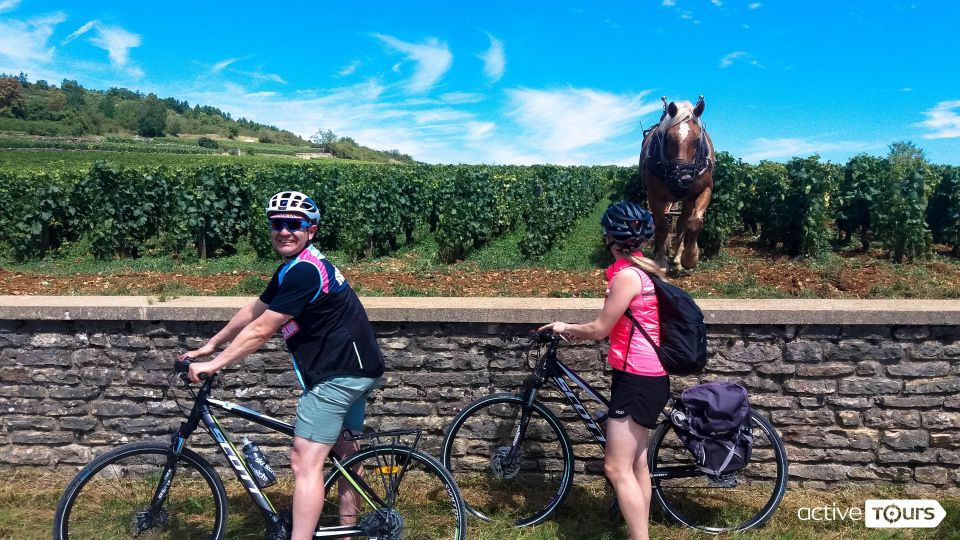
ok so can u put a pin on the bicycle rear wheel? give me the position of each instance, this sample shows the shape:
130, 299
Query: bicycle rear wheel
741, 500
110, 498
522, 487
422, 500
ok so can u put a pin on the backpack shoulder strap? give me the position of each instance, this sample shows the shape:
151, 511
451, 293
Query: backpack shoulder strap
636, 324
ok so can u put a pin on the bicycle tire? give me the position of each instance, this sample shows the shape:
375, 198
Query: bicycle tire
715, 506
474, 449
104, 499
425, 497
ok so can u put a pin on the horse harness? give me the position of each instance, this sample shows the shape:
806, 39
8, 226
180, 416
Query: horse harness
673, 171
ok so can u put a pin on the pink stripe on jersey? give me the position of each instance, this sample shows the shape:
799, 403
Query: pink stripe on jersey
309, 256
636, 355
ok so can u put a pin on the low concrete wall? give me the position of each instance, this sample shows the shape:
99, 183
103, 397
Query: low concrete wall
862, 391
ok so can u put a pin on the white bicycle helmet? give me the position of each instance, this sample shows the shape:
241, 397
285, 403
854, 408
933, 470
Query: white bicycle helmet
293, 201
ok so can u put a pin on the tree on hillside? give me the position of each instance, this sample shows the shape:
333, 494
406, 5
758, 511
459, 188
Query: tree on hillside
12, 101
900, 219
153, 117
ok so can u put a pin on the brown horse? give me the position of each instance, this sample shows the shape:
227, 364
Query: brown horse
676, 165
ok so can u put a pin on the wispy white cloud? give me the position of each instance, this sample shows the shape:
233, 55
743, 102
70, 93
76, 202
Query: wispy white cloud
260, 76
717, 3
24, 41
494, 60
568, 120
738, 56
221, 65
113, 39
755, 5
668, 3
8, 5
788, 147
432, 58
349, 69
943, 119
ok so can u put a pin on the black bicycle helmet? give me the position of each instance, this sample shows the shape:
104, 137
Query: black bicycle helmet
627, 224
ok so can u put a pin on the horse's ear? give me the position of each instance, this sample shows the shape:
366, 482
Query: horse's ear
698, 110
672, 109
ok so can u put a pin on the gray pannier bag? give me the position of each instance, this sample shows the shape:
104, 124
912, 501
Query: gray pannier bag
713, 422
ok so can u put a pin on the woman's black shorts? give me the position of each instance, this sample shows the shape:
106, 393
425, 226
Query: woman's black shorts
640, 397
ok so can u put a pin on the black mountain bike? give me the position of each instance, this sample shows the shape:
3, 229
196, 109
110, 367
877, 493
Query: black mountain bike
164, 490
513, 459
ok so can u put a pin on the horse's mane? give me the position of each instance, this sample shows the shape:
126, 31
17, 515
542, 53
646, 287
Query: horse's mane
684, 114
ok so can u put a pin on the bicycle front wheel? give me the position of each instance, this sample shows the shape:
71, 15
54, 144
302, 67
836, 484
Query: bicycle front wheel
738, 501
111, 497
420, 498
523, 484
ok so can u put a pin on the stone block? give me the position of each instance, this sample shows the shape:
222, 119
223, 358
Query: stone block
776, 368
850, 402
891, 419
946, 385
16, 422
935, 350
78, 423
820, 472
889, 456
720, 365
919, 369
772, 401
753, 353
849, 418
830, 369
117, 408
831, 437
907, 439
909, 402
803, 351
822, 417
811, 386
931, 474
940, 420
868, 386
29, 455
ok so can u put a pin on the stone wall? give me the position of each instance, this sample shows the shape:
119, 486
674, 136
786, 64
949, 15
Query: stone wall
871, 400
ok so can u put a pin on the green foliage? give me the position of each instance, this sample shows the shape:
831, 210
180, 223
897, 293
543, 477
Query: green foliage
12, 101
152, 119
900, 221
723, 216
207, 142
799, 209
557, 197
464, 199
943, 212
858, 194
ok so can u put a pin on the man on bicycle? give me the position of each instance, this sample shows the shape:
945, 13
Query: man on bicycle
335, 353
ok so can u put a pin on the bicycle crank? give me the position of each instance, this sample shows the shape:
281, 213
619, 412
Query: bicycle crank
384, 524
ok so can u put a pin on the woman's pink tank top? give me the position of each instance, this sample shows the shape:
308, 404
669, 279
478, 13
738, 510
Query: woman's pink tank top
629, 349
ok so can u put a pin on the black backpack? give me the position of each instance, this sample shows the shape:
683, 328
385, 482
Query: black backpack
683, 333
713, 421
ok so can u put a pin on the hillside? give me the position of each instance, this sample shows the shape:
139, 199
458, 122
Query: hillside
41, 115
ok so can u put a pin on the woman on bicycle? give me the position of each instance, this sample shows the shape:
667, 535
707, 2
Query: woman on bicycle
640, 387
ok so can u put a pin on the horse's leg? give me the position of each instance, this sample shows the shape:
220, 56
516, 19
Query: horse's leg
661, 228
680, 232
692, 227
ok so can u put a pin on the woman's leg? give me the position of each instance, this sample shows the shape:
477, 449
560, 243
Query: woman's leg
626, 467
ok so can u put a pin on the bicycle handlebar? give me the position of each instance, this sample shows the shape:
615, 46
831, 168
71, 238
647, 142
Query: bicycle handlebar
182, 367
543, 337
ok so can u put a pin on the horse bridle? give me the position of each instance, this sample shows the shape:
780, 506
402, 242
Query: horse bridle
675, 169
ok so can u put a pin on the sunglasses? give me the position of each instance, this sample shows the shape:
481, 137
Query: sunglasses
290, 224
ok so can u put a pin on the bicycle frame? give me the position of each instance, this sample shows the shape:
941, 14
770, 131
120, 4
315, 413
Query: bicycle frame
202, 413
550, 368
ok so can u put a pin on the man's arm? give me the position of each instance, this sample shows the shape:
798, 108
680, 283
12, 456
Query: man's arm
248, 340
244, 317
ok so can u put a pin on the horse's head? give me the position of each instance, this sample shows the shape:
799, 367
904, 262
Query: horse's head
682, 137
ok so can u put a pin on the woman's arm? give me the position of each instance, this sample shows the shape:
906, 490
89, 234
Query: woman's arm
624, 287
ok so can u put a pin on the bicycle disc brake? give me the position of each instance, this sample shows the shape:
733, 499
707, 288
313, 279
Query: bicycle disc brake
146, 519
505, 463
384, 524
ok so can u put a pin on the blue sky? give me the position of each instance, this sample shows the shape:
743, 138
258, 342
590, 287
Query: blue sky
526, 82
